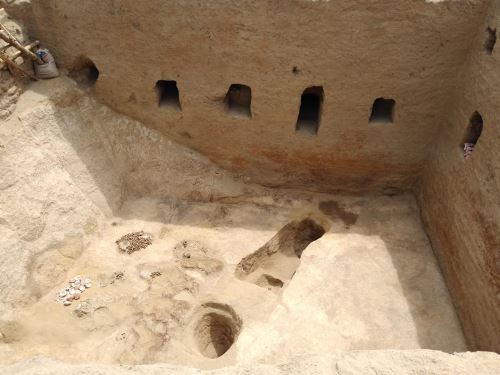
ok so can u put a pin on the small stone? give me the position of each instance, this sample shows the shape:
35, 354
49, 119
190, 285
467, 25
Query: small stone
67, 303
63, 293
82, 288
83, 309
87, 285
123, 245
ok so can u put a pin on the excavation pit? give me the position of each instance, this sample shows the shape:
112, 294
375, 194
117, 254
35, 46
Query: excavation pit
352, 248
216, 331
277, 261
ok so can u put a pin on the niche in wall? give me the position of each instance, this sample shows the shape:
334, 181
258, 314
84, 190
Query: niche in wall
84, 71
168, 94
472, 135
239, 100
491, 39
382, 111
310, 110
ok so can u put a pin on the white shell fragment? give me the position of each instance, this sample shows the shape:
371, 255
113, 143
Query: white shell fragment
74, 290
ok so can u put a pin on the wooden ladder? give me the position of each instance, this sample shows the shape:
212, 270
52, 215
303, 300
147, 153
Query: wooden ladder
9, 61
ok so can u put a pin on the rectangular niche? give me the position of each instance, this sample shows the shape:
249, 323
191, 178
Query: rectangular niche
168, 94
491, 39
239, 100
382, 111
310, 110
473, 133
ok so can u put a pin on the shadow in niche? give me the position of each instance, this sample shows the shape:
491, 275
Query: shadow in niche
84, 72
168, 94
238, 100
309, 116
417, 285
382, 111
491, 40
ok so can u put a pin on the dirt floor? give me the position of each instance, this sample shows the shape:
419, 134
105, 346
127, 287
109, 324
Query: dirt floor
186, 267
383, 288
234, 274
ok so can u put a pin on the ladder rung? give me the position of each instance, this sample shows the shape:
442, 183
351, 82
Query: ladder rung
19, 53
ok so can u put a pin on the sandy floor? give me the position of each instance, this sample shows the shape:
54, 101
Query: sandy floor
236, 274
370, 282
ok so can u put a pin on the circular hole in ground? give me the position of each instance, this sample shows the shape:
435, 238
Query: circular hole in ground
216, 331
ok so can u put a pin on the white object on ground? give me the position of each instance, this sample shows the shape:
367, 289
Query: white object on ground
47, 70
74, 291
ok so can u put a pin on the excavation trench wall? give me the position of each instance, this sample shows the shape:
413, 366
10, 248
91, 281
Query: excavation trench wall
460, 200
427, 56
409, 51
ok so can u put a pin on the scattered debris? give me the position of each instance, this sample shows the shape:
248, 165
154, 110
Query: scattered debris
468, 148
149, 275
105, 279
193, 255
73, 292
135, 241
83, 309
166, 279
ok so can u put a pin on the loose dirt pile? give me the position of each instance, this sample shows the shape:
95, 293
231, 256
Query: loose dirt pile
136, 241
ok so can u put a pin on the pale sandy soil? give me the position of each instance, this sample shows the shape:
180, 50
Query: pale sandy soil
81, 176
222, 286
